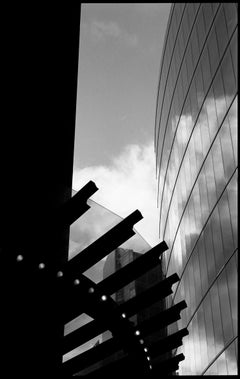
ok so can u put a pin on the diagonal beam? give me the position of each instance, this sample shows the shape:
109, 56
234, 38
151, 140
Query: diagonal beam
169, 365
75, 206
133, 270
104, 245
82, 335
162, 319
150, 296
91, 356
168, 343
131, 307
94, 328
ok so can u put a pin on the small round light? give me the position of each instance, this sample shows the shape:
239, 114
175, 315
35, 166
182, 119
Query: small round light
59, 274
145, 349
148, 358
76, 282
41, 266
19, 258
150, 366
123, 315
103, 297
91, 290
137, 333
141, 342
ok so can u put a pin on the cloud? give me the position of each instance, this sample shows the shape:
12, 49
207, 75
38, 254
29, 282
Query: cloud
212, 175
101, 31
126, 185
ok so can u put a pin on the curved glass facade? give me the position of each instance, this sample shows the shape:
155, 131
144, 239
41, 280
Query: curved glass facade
196, 155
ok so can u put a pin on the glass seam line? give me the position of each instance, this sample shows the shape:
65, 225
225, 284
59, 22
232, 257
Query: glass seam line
161, 68
211, 285
204, 226
165, 86
218, 355
193, 76
219, 65
200, 168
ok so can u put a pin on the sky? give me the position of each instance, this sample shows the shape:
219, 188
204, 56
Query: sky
119, 64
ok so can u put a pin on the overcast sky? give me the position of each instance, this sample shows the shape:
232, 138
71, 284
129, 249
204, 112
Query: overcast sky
120, 54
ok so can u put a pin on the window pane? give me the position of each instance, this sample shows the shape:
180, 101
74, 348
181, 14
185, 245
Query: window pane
221, 31
228, 77
200, 29
213, 52
231, 16
208, 15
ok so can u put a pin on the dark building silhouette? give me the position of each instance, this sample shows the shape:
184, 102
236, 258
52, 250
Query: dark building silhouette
114, 262
196, 156
39, 90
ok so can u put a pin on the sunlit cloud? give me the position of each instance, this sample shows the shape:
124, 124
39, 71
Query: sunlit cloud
100, 31
126, 185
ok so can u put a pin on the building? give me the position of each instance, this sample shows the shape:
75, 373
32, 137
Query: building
114, 262
196, 156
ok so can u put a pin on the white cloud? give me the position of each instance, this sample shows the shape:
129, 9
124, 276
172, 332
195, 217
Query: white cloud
100, 31
126, 185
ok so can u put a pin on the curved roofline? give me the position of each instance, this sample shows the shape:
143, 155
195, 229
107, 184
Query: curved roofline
109, 210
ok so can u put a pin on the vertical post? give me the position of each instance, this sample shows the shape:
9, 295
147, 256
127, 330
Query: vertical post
37, 142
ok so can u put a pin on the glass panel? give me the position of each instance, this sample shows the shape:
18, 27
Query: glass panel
233, 206
228, 77
220, 101
205, 65
232, 278
189, 63
214, 6
208, 311
191, 13
231, 16
231, 358
234, 45
225, 307
217, 321
227, 149
200, 29
217, 240
203, 264
211, 183
208, 15
195, 47
199, 86
232, 117
213, 51
210, 253
221, 31
218, 166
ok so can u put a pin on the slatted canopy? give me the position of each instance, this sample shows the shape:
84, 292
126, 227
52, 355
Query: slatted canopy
76, 294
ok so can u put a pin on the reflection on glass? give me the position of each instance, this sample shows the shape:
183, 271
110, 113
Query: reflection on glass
198, 198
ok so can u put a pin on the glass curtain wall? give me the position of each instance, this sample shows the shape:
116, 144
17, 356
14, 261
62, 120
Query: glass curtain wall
196, 160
